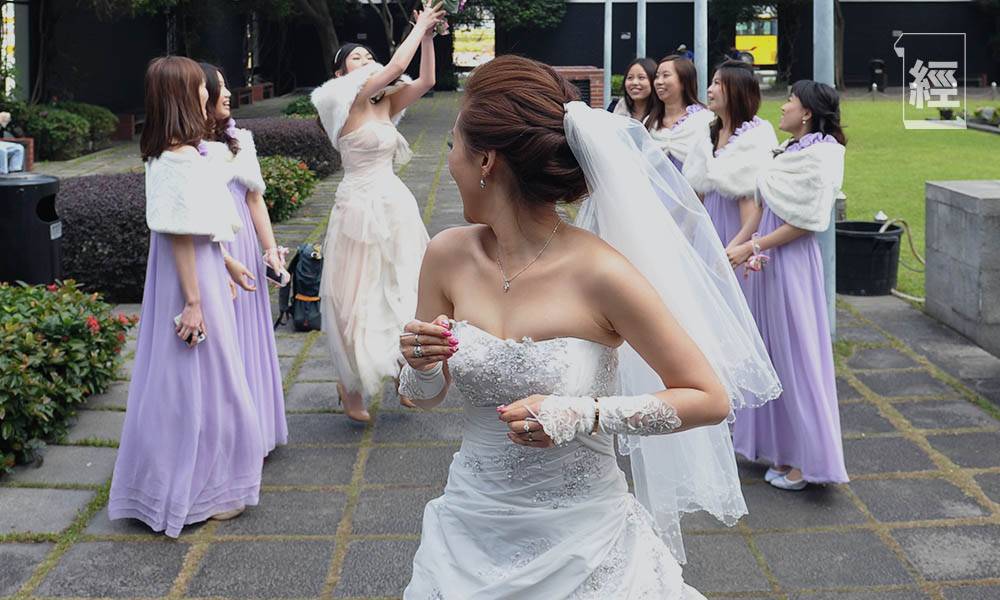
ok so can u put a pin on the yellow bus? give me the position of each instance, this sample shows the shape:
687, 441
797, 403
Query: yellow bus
758, 39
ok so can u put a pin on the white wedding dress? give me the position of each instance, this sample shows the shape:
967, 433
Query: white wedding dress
541, 523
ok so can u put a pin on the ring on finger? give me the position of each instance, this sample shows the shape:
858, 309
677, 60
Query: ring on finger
527, 428
418, 351
530, 439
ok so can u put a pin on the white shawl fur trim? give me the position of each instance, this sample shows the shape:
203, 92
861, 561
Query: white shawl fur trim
801, 186
734, 172
678, 141
243, 166
187, 194
333, 99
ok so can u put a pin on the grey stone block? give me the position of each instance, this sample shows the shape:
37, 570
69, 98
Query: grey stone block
942, 553
323, 428
915, 500
312, 396
115, 570
416, 466
19, 562
364, 572
289, 513
961, 358
70, 464
40, 510
972, 592
115, 397
990, 482
845, 391
863, 418
97, 424
721, 563
904, 383
976, 450
830, 560
290, 344
946, 415
317, 369
880, 358
309, 466
263, 570
391, 511
417, 426
883, 455
102, 525
815, 506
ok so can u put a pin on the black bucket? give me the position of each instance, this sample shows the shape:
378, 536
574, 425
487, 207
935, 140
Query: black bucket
867, 261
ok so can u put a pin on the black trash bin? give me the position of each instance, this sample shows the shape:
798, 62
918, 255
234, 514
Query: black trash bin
867, 261
30, 229
878, 77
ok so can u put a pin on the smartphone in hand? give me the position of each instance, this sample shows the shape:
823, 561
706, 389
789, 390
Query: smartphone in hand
201, 334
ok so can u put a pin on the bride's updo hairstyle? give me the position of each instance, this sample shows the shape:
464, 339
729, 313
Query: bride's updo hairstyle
515, 106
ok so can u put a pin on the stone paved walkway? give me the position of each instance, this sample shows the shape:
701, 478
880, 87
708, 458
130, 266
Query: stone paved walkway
341, 505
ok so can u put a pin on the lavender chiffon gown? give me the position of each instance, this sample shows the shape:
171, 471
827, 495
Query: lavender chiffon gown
254, 330
191, 445
800, 428
725, 214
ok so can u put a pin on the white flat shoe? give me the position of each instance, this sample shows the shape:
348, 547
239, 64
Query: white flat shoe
782, 482
229, 514
773, 474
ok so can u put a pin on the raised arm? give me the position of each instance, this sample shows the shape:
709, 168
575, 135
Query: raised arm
426, 21
423, 84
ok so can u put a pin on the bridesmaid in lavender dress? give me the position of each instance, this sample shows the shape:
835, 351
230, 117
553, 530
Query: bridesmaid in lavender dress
723, 166
191, 447
638, 99
799, 433
679, 120
253, 310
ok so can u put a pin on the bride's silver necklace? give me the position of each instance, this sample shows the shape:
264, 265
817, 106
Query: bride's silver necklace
508, 280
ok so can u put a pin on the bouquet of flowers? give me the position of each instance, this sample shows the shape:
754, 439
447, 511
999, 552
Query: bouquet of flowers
451, 7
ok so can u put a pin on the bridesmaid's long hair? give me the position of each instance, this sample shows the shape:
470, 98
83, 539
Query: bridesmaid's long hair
173, 106
649, 66
742, 95
687, 73
218, 128
824, 103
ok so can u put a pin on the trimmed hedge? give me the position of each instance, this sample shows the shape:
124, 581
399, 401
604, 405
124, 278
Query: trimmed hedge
289, 182
301, 107
105, 239
60, 345
302, 139
102, 121
59, 134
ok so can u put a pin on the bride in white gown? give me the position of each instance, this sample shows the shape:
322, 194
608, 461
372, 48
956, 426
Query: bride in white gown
559, 339
375, 239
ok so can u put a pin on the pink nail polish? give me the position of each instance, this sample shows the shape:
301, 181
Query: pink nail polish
446, 333
453, 342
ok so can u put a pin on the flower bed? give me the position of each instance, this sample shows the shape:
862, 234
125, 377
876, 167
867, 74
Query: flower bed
61, 345
289, 182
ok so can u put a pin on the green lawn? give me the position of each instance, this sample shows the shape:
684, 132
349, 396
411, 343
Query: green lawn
887, 166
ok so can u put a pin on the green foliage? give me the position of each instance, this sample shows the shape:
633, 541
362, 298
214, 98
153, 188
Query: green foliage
617, 84
102, 121
301, 106
59, 134
289, 182
988, 114
513, 14
60, 345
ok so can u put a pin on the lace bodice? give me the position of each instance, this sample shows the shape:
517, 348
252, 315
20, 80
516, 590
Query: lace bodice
373, 147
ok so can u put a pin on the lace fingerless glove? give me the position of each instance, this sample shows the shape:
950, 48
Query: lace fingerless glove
562, 417
421, 385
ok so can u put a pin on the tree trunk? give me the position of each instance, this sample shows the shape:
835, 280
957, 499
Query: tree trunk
318, 12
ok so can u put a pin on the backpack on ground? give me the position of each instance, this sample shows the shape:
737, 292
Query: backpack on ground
300, 298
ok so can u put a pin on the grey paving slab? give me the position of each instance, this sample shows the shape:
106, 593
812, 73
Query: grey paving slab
972, 593
391, 511
990, 483
101, 525
96, 424
946, 415
312, 396
845, 391
963, 360
364, 572
859, 334
263, 570
904, 383
317, 369
913, 593
880, 358
413, 425
309, 466
916, 499
115, 397
701, 521
977, 450
423, 466
285, 365
290, 344
70, 464
830, 560
722, 563
882, 455
987, 388
971, 552
28, 510
289, 513
19, 562
815, 506
323, 428
115, 570
863, 418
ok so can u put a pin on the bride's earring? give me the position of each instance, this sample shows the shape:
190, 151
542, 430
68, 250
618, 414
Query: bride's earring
482, 183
